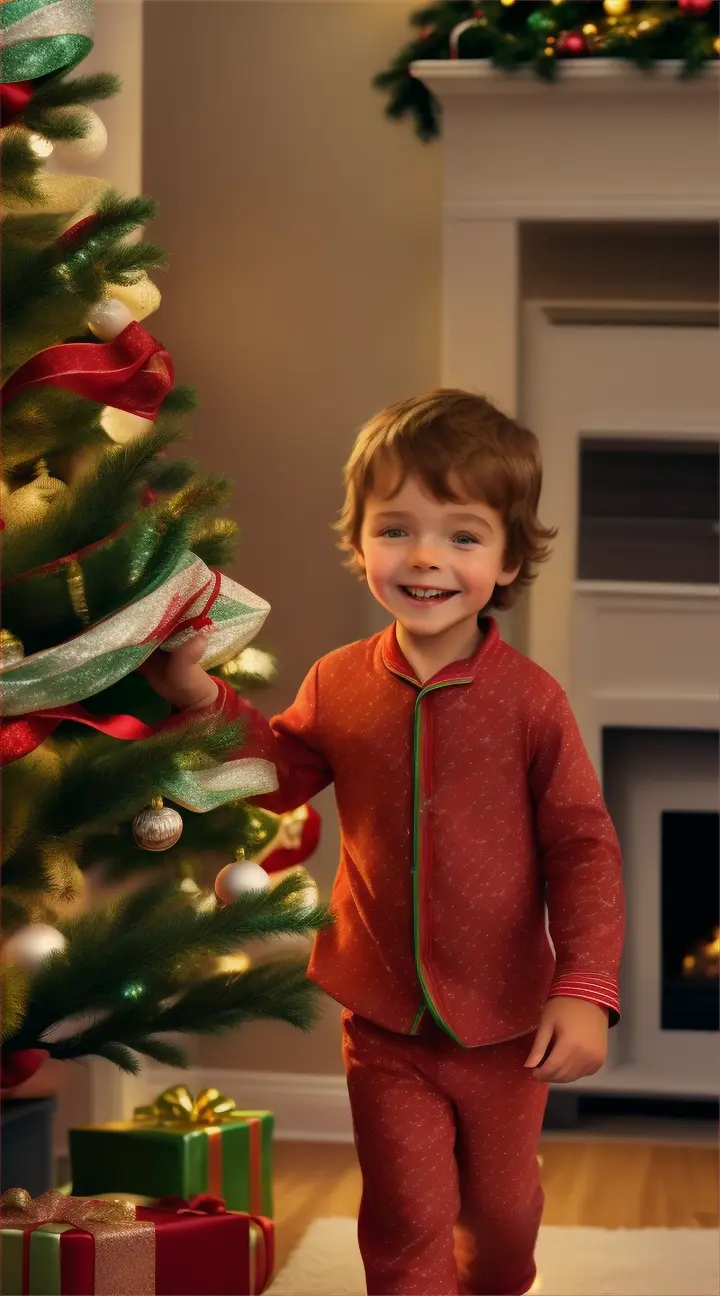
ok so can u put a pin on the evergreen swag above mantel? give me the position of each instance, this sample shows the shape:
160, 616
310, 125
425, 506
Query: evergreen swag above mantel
516, 33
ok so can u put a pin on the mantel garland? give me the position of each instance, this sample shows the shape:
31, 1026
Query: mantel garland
513, 34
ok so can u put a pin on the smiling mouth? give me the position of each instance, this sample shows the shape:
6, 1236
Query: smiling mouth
427, 594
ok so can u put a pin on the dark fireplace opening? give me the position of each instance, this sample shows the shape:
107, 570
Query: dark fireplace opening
690, 848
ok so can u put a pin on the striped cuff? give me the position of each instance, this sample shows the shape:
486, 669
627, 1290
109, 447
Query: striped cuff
595, 989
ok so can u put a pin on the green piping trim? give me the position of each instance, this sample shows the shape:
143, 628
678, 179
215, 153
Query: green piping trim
418, 738
416, 1024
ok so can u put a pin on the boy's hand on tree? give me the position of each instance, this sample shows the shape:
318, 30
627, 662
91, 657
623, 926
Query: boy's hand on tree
571, 1040
179, 678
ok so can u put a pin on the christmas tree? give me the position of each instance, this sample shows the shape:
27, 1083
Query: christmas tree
111, 558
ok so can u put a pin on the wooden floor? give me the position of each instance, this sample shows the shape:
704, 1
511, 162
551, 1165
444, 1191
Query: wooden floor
605, 1184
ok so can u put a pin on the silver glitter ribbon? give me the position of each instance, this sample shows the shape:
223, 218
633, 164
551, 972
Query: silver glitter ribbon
63, 18
108, 651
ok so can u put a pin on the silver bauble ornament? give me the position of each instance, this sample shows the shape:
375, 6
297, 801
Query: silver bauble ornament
158, 827
240, 877
29, 946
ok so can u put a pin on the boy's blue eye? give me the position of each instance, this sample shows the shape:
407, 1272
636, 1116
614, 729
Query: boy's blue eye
392, 532
466, 540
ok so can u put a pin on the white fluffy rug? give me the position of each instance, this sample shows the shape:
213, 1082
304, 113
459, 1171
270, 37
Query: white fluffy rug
571, 1262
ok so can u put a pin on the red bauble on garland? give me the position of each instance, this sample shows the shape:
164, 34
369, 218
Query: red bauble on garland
572, 44
694, 8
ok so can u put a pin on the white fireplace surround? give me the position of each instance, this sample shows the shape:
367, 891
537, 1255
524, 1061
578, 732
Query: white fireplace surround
606, 143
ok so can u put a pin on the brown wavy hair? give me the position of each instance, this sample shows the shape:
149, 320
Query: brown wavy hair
442, 433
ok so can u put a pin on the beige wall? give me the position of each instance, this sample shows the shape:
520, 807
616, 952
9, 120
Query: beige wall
303, 231
304, 236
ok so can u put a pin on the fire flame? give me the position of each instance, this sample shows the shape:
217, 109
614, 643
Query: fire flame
704, 959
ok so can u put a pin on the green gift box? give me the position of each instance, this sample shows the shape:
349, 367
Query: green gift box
180, 1146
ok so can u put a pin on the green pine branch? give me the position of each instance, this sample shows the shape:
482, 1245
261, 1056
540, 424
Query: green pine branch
136, 994
43, 422
63, 92
20, 167
103, 781
48, 288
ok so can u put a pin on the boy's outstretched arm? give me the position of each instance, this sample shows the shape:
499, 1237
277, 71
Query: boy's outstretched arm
290, 741
582, 869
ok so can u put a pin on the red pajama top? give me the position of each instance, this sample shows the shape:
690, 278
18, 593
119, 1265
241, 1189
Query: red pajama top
467, 805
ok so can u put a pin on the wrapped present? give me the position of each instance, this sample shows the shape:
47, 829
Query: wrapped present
180, 1145
57, 1245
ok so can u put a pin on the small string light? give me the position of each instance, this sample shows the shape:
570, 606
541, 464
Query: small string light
41, 147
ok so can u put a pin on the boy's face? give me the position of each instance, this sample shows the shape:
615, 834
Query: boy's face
432, 565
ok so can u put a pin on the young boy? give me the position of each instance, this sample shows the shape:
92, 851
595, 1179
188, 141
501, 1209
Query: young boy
467, 804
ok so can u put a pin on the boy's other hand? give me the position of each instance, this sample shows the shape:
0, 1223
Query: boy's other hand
571, 1040
179, 678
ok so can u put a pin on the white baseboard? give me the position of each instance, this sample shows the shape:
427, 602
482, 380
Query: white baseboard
307, 1108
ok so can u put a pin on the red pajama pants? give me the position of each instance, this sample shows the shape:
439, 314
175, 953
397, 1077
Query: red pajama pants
447, 1142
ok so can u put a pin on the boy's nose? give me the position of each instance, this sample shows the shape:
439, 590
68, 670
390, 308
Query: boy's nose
423, 558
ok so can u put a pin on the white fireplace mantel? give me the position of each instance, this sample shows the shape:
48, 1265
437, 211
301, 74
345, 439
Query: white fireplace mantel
605, 142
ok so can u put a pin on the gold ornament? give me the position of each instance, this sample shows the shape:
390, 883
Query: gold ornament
589, 29
11, 649
616, 7
29, 502
716, 44
201, 901
158, 827
76, 590
141, 298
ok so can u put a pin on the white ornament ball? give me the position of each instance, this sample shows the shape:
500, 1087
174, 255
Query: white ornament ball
30, 946
237, 879
108, 319
122, 426
90, 147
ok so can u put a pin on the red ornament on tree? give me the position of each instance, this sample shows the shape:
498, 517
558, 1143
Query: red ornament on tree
571, 43
694, 8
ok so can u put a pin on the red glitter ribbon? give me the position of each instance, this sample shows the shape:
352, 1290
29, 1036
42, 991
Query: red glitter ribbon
132, 373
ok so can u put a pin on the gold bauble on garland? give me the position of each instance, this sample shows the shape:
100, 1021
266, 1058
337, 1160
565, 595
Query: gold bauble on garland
11, 649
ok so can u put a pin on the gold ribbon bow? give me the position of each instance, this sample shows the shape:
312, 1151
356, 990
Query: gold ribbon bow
176, 1107
124, 1245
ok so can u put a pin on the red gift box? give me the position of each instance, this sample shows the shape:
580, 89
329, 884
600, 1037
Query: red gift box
194, 1248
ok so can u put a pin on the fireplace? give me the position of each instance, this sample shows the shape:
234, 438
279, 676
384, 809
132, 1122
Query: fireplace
690, 924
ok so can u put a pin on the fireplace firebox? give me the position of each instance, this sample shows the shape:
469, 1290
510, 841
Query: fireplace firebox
690, 923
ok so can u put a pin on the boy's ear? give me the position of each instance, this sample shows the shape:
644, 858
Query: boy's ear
507, 577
